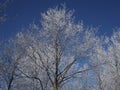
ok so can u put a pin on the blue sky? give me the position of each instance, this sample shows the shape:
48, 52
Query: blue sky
102, 13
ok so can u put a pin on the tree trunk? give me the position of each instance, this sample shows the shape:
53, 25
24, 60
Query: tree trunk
10, 83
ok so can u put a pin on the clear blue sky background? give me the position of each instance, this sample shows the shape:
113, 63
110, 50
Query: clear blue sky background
103, 13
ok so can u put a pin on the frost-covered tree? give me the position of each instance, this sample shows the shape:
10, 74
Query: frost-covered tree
99, 59
106, 56
53, 52
112, 69
8, 65
60, 54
